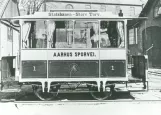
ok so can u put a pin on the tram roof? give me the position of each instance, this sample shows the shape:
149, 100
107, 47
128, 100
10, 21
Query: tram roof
74, 15
77, 15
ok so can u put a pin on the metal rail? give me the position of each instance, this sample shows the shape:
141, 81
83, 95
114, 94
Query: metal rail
154, 73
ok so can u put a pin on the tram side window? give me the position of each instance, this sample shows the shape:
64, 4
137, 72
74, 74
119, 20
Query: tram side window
41, 35
63, 34
25, 35
82, 34
104, 36
34, 34
94, 34
112, 34
51, 33
76, 34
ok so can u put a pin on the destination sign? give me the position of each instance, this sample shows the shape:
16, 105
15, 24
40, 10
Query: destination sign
74, 14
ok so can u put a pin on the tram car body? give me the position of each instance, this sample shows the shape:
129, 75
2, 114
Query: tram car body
69, 51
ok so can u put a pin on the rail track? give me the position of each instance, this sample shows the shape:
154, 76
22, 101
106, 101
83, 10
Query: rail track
155, 72
81, 107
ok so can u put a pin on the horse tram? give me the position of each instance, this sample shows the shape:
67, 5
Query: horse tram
76, 51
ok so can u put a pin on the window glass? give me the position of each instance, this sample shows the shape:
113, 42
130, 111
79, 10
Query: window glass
40, 35
132, 11
34, 34
103, 8
112, 34
10, 33
88, 6
25, 35
51, 33
157, 9
83, 36
133, 36
64, 34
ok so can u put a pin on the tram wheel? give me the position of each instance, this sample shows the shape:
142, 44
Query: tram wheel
100, 95
45, 96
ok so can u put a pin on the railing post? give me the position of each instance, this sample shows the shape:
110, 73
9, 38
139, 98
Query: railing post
147, 54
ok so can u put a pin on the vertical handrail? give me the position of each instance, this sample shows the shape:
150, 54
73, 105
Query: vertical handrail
147, 54
99, 21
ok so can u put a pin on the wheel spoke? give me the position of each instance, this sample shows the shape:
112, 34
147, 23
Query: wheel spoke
99, 95
45, 96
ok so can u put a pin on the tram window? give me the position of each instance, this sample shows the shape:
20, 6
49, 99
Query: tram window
51, 33
82, 34
64, 34
104, 38
112, 34
77, 34
25, 34
41, 35
34, 35
60, 24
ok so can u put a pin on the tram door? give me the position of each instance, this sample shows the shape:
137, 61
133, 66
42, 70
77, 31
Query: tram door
152, 36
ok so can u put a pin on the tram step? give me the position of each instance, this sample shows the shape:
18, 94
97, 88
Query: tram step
10, 90
135, 85
136, 89
129, 89
121, 90
8, 100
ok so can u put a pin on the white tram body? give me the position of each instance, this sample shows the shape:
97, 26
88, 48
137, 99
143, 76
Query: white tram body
88, 49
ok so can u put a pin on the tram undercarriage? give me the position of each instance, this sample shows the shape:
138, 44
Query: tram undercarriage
98, 90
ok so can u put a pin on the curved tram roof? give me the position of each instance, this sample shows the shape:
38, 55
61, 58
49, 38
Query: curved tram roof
74, 15
77, 15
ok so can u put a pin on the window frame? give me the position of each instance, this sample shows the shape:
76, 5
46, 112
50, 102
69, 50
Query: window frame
135, 36
124, 29
88, 6
103, 8
156, 9
69, 6
132, 11
9, 34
